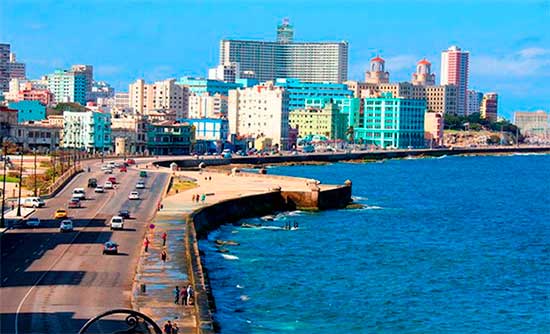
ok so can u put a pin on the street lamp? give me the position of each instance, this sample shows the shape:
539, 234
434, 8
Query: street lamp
35, 187
2, 222
20, 181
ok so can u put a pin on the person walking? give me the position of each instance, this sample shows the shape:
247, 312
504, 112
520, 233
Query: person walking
163, 256
175, 328
168, 327
146, 244
184, 297
189, 294
203, 198
177, 295
164, 236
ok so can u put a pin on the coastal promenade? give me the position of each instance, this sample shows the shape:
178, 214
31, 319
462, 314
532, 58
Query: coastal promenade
184, 266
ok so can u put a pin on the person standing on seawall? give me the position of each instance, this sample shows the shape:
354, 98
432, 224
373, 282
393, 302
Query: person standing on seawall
177, 295
164, 236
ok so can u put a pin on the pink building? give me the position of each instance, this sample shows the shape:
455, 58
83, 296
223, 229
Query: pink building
455, 71
433, 128
42, 95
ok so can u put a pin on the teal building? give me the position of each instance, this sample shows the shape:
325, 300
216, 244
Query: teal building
170, 138
391, 122
211, 86
68, 86
299, 91
29, 110
350, 106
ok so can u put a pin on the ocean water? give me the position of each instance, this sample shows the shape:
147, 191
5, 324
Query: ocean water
449, 245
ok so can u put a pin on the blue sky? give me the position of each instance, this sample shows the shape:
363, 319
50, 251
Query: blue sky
509, 41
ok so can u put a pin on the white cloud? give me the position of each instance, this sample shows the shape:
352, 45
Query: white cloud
401, 62
525, 62
107, 70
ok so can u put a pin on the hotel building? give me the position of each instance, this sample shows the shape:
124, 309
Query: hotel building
162, 95
455, 71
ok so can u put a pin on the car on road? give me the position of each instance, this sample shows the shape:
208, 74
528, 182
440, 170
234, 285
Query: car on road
79, 193
66, 226
33, 222
92, 182
33, 202
74, 203
99, 189
123, 169
133, 195
108, 185
60, 214
142, 173
112, 179
117, 223
110, 248
130, 161
124, 214
105, 167
140, 185
109, 171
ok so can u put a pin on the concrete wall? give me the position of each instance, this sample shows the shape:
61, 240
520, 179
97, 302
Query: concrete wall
210, 218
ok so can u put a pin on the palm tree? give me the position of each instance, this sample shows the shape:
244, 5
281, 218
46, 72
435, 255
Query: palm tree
350, 133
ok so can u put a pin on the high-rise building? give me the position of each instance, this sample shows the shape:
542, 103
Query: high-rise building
455, 71
100, 89
88, 71
68, 86
307, 61
376, 73
473, 100
210, 86
122, 100
299, 91
229, 72
207, 106
4, 67
533, 124
16, 69
489, 106
392, 122
162, 95
423, 75
260, 112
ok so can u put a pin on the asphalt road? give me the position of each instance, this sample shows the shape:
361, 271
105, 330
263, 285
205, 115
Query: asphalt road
52, 282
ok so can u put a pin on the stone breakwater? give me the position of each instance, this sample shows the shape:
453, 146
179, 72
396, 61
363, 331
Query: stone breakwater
208, 218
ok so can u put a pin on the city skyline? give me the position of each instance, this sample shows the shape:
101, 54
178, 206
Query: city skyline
508, 50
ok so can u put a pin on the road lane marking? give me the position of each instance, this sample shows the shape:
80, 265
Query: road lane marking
5, 279
16, 269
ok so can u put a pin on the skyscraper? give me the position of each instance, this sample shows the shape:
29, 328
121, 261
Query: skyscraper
9, 67
455, 71
68, 86
307, 61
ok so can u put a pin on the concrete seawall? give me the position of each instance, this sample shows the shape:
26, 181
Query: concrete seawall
334, 157
209, 218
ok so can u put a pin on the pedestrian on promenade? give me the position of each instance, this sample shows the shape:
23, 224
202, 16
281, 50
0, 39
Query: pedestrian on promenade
193, 198
184, 297
177, 295
168, 327
203, 198
198, 197
189, 294
164, 236
175, 328
146, 244
163, 256
210, 178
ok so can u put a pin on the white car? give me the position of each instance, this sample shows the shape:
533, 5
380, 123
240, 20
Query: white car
117, 222
33, 202
79, 193
66, 226
99, 189
33, 222
140, 185
133, 195
109, 171
108, 185
105, 167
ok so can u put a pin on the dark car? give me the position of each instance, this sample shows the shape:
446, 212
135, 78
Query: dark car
142, 173
92, 183
124, 214
110, 248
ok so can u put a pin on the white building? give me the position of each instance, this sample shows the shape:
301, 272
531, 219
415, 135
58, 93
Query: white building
307, 61
473, 101
207, 106
259, 112
228, 72
145, 98
89, 130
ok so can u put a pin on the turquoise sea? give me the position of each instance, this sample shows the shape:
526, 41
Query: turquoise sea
448, 245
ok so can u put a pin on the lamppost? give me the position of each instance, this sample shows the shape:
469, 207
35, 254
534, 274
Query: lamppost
2, 222
35, 184
20, 181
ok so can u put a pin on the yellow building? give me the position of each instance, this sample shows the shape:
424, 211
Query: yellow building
327, 121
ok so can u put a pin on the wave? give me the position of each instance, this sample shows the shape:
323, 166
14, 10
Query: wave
442, 157
359, 198
244, 298
230, 257
373, 207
